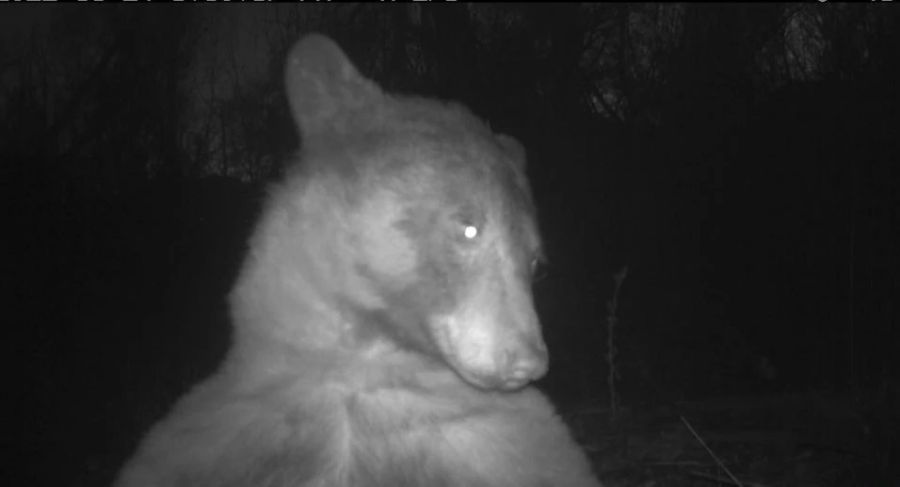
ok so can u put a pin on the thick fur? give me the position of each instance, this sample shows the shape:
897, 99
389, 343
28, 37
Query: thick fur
384, 326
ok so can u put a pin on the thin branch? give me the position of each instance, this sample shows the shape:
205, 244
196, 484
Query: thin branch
711, 454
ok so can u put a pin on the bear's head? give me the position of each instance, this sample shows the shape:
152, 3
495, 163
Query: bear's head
407, 225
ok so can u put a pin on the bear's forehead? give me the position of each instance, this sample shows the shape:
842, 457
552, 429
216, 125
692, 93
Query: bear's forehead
461, 172
453, 145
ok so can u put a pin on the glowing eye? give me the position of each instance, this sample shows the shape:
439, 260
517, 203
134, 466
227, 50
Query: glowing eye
470, 231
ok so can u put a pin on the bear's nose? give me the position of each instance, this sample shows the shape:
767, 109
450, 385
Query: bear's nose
524, 363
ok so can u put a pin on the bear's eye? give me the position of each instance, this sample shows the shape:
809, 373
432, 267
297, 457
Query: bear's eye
470, 231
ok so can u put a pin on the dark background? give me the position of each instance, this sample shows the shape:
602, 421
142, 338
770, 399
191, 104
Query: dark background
741, 160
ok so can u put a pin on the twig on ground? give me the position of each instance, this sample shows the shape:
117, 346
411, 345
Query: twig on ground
711, 454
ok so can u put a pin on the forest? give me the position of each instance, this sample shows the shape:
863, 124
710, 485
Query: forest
717, 188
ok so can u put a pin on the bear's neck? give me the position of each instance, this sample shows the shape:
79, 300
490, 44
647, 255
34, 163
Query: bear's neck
256, 361
293, 331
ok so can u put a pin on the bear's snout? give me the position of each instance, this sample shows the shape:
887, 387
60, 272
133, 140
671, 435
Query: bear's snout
524, 362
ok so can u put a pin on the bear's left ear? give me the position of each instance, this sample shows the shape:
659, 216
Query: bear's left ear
324, 89
513, 149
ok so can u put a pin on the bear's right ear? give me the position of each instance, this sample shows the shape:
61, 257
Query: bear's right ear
324, 89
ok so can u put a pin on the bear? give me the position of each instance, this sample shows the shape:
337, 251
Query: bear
383, 325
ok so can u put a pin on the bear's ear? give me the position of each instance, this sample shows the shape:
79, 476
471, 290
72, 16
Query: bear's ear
324, 89
513, 149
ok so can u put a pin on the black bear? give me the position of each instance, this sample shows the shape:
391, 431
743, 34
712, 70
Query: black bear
384, 329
